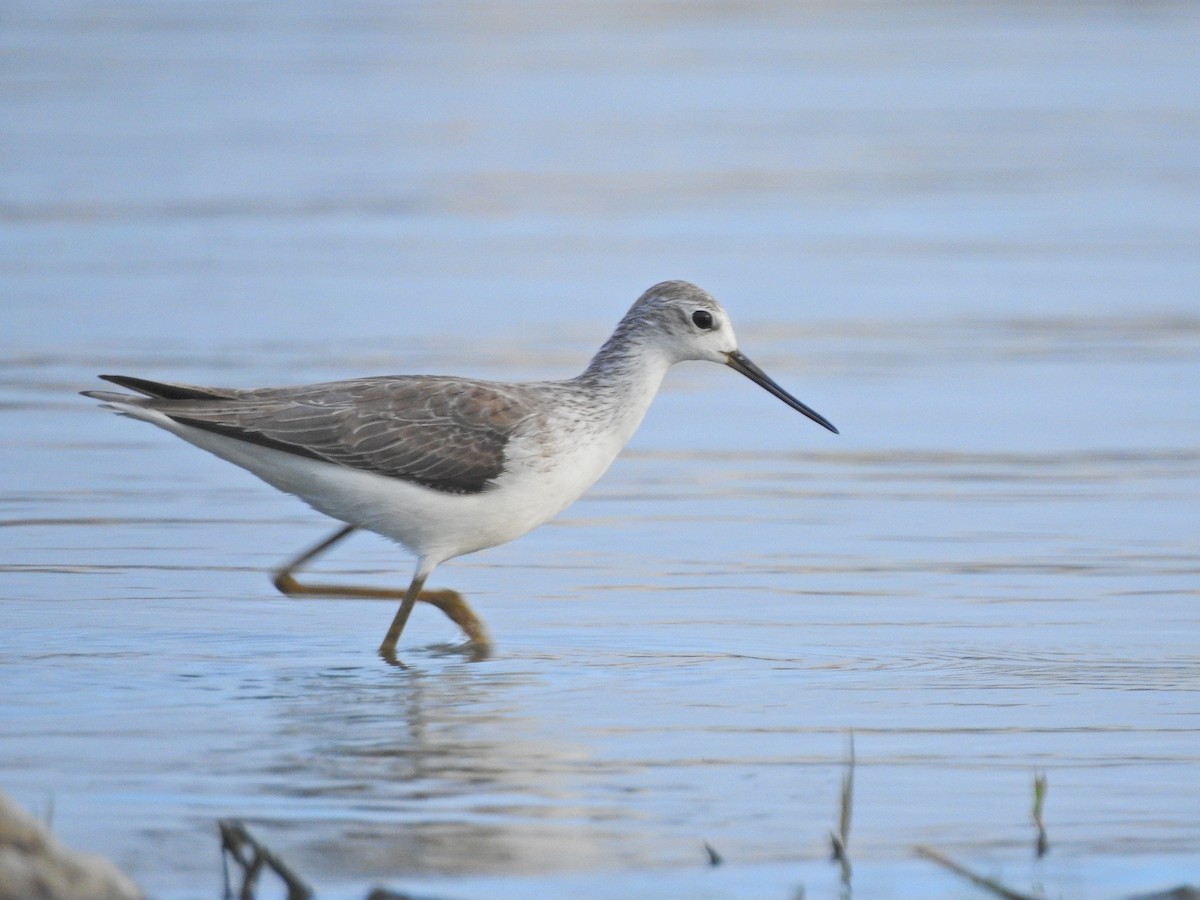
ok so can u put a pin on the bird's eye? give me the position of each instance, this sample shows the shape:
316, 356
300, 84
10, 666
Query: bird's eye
703, 319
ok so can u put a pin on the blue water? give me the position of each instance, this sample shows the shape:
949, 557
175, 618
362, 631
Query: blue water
967, 234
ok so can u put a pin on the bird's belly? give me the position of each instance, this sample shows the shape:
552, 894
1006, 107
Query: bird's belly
435, 525
528, 494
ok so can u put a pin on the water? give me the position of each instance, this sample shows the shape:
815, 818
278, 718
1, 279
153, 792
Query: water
966, 234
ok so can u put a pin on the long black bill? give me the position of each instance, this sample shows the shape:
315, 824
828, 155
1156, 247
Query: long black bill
739, 362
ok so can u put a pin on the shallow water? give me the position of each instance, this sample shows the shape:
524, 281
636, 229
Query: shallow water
966, 235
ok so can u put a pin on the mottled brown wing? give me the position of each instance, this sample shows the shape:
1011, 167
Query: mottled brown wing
446, 433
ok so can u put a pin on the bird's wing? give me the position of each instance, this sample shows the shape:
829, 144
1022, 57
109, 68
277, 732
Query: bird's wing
445, 433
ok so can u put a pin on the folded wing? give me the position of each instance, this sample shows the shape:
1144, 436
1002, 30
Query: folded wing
445, 433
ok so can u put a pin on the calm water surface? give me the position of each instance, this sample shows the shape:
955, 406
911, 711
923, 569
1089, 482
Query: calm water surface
969, 236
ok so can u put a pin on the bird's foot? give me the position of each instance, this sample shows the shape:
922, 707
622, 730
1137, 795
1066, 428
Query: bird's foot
452, 603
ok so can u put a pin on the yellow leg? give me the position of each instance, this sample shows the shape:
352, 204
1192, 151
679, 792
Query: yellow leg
449, 602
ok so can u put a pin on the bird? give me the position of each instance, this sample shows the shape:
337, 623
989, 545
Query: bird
442, 465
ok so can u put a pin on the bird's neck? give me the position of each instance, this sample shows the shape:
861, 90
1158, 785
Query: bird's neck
624, 375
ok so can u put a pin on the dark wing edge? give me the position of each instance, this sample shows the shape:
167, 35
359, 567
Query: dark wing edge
248, 435
467, 482
165, 390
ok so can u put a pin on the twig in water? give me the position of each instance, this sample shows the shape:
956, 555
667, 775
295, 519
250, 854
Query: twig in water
48, 818
1039, 800
385, 894
1183, 892
988, 884
840, 839
251, 856
381, 893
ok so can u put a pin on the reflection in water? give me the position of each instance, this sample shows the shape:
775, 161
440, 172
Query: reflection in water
428, 772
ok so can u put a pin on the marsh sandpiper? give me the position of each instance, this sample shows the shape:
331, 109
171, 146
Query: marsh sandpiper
442, 465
